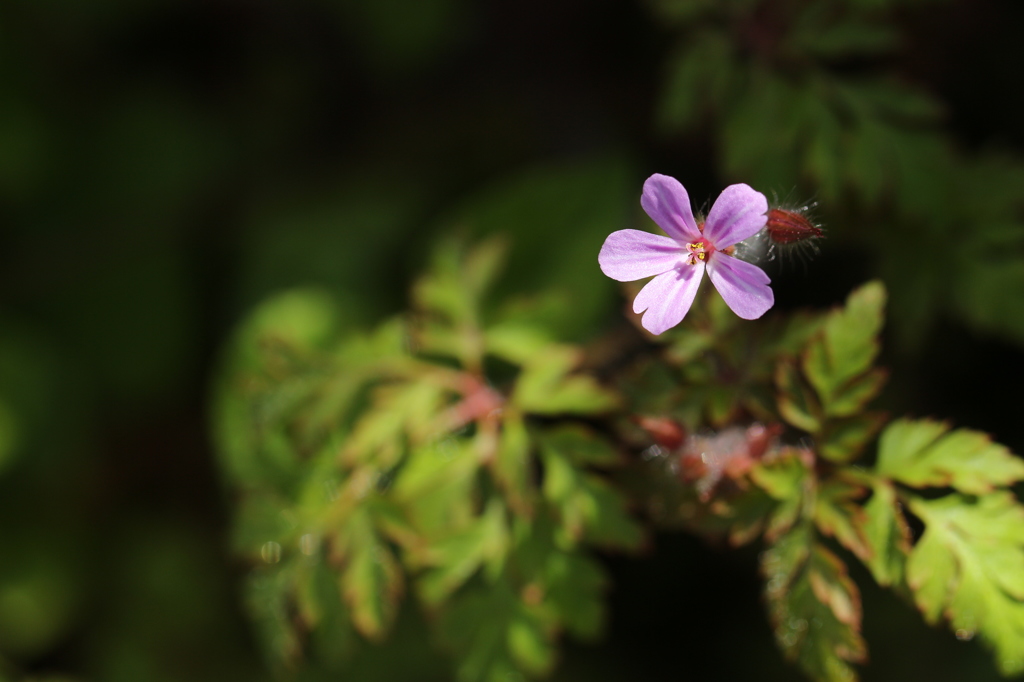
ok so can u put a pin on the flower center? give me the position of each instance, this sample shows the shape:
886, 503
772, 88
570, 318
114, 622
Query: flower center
698, 251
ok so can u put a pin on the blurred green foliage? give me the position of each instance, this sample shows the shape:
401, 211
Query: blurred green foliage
802, 95
168, 168
405, 461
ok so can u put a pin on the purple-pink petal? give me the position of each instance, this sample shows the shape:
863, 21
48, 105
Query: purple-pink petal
668, 297
632, 254
668, 204
743, 286
738, 213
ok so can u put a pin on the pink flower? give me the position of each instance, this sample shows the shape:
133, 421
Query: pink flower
678, 261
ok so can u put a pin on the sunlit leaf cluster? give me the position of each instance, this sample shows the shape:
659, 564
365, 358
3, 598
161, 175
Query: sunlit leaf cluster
459, 460
800, 478
447, 455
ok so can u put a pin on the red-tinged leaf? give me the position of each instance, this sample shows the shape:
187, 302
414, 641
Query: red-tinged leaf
832, 586
836, 514
787, 480
814, 607
887, 534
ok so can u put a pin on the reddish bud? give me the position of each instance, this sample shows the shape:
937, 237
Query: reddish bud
760, 438
692, 467
789, 227
666, 432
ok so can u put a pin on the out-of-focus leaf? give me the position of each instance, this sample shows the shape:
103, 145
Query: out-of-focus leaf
258, 520
324, 612
515, 342
545, 386
371, 581
887, 534
969, 567
988, 293
334, 233
925, 170
836, 514
9, 435
460, 276
305, 318
825, 154
428, 32
512, 465
563, 584
272, 370
843, 439
846, 348
796, 401
925, 453
782, 478
573, 586
589, 509
495, 635
38, 600
879, 99
559, 215
786, 479
814, 607
784, 558
683, 11
457, 557
267, 595
398, 410
762, 127
701, 73
857, 393
866, 166
844, 38
741, 519
796, 331
436, 486
580, 445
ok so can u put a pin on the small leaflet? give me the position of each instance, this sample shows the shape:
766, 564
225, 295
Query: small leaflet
814, 607
925, 453
968, 568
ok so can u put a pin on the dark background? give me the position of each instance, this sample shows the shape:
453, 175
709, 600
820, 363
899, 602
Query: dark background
166, 165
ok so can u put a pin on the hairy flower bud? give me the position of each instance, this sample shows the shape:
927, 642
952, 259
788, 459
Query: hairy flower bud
789, 227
